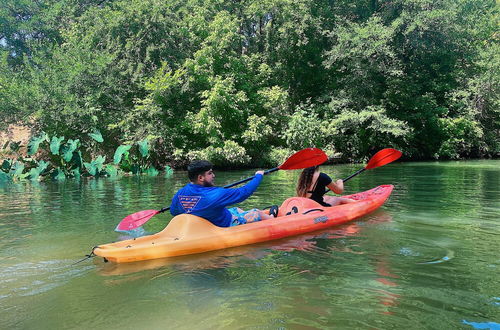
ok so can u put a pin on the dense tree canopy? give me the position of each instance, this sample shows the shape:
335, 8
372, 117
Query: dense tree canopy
245, 82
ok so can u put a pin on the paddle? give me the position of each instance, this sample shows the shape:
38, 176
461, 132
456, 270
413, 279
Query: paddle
301, 159
381, 158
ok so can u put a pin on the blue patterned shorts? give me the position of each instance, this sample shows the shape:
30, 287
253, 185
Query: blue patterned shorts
241, 218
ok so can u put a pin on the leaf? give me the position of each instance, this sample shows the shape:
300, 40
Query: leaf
168, 171
96, 135
95, 167
111, 170
23, 176
144, 147
55, 144
6, 165
135, 169
58, 175
14, 146
35, 143
91, 168
77, 159
35, 173
151, 171
6, 145
119, 153
42, 166
99, 161
5, 178
76, 172
69, 148
17, 169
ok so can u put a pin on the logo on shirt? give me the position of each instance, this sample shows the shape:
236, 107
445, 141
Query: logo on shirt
188, 203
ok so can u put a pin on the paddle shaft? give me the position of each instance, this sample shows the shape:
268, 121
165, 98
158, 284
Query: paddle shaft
250, 178
350, 177
232, 184
353, 175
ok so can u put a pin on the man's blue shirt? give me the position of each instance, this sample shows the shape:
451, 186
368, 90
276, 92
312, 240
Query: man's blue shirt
210, 202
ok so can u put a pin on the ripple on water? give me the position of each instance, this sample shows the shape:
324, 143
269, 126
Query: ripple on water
32, 278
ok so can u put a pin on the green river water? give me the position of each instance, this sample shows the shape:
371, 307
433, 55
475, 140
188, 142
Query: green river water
428, 259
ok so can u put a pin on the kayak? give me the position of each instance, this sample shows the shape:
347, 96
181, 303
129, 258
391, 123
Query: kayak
188, 234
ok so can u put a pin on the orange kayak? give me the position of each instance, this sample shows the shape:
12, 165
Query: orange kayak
189, 234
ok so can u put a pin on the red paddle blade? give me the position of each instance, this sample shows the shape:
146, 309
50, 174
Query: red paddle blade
383, 157
304, 158
135, 220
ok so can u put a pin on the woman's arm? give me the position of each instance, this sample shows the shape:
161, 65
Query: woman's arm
337, 186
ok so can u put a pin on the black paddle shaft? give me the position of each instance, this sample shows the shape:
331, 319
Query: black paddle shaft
232, 184
353, 175
250, 178
350, 177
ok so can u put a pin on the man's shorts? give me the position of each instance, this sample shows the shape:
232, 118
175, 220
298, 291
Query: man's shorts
241, 218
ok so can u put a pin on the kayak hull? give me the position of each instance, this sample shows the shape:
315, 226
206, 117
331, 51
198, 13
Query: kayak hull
188, 234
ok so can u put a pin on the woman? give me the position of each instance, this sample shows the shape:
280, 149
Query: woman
312, 184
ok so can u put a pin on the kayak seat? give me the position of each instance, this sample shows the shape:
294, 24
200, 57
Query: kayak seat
295, 205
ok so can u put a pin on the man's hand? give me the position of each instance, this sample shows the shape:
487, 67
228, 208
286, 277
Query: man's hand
259, 172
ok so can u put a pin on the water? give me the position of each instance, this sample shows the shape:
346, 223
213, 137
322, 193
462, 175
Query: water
428, 259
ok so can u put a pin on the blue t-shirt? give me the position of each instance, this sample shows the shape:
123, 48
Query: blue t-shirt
210, 202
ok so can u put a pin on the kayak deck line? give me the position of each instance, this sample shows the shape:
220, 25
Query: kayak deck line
188, 234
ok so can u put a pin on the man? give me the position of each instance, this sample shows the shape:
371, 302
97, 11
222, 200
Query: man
202, 199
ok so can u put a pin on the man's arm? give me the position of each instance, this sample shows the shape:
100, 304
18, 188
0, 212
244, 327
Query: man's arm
237, 195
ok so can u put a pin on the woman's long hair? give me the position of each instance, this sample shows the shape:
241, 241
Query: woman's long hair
305, 180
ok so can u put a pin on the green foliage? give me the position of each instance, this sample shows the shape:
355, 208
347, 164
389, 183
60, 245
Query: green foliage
76, 172
111, 171
35, 172
97, 136
5, 178
303, 130
229, 154
58, 174
69, 148
95, 167
34, 143
151, 171
144, 147
461, 137
71, 164
15, 146
278, 155
362, 133
168, 171
239, 82
17, 170
6, 165
120, 151
55, 144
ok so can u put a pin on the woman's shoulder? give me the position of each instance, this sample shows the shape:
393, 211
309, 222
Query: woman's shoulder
325, 177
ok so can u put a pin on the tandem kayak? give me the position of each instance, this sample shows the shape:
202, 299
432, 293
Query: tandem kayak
188, 234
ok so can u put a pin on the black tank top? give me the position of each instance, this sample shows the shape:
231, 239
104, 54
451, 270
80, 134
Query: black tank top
319, 189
